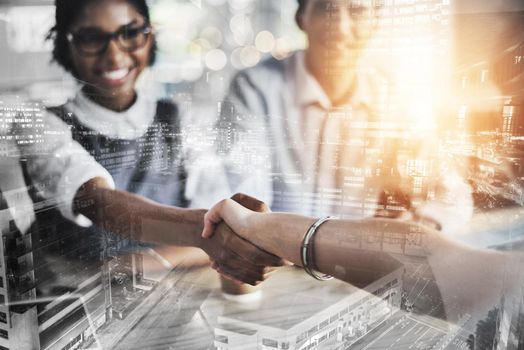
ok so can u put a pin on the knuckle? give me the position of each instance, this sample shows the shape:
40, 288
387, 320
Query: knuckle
238, 196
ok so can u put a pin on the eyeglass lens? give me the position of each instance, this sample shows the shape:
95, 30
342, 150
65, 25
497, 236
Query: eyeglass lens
94, 41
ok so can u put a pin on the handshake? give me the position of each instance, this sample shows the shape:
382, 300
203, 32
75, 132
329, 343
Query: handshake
228, 246
246, 242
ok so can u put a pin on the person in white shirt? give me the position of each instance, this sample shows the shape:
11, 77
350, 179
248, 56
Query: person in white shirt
98, 157
310, 133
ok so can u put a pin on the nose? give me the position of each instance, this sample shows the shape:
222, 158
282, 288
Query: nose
113, 54
340, 22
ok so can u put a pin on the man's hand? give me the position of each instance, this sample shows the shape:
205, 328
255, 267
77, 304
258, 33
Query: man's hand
236, 258
239, 259
251, 203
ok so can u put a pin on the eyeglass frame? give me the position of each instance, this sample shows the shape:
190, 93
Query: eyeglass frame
146, 29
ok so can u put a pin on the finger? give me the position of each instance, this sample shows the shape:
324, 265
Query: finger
212, 218
269, 270
250, 203
268, 274
241, 275
209, 229
287, 263
228, 277
243, 270
252, 253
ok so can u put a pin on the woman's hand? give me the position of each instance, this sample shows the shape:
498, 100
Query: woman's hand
238, 259
252, 267
235, 212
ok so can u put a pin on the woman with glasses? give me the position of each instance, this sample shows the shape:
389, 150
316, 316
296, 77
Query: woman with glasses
135, 140
106, 45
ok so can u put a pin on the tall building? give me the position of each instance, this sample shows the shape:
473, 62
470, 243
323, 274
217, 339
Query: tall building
55, 291
54, 278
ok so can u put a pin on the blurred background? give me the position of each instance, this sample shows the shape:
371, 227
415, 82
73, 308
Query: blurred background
201, 43
466, 71
459, 63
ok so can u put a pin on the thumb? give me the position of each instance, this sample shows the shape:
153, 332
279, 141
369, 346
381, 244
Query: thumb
211, 219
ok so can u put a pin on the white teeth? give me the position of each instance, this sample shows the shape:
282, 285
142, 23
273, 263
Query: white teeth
116, 74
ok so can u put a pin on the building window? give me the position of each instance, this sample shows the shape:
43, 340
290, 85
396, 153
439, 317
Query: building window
301, 337
221, 338
74, 342
333, 333
312, 331
3, 317
284, 346
1, 282
269, 342
323, 324
3, 334
322, 338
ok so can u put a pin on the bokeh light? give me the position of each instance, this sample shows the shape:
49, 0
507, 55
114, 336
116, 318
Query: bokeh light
265, 41
216, 59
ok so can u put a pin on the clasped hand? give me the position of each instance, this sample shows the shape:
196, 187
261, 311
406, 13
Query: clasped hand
236, 258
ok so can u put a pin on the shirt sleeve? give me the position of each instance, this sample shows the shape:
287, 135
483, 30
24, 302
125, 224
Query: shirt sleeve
234, 155
206, 177
243, 140
57, 165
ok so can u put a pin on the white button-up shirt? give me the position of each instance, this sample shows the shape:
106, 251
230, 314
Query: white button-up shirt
58, 165
284, 142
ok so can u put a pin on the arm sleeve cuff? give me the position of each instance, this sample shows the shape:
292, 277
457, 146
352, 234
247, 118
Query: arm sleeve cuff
71, 181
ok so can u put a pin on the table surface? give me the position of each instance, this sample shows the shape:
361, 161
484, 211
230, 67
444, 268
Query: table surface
187, 306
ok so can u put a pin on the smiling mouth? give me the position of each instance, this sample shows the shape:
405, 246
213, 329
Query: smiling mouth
116, 75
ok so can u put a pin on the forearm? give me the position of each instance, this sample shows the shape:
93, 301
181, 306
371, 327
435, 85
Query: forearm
360, 252
278, 233
349, 250
136, 217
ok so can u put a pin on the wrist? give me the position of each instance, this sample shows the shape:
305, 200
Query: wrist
194, 219
172, 226
253, 227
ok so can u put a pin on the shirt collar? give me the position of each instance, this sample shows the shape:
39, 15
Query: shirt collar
129, 124
308, 91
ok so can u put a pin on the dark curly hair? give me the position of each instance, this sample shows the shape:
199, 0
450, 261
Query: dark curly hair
67, 12
301, 5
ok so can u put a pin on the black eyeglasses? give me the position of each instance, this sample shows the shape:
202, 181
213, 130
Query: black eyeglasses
93, 42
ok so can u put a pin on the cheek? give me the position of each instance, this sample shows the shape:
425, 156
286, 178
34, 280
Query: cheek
141, 57
83, 66
317, 31
364, 29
